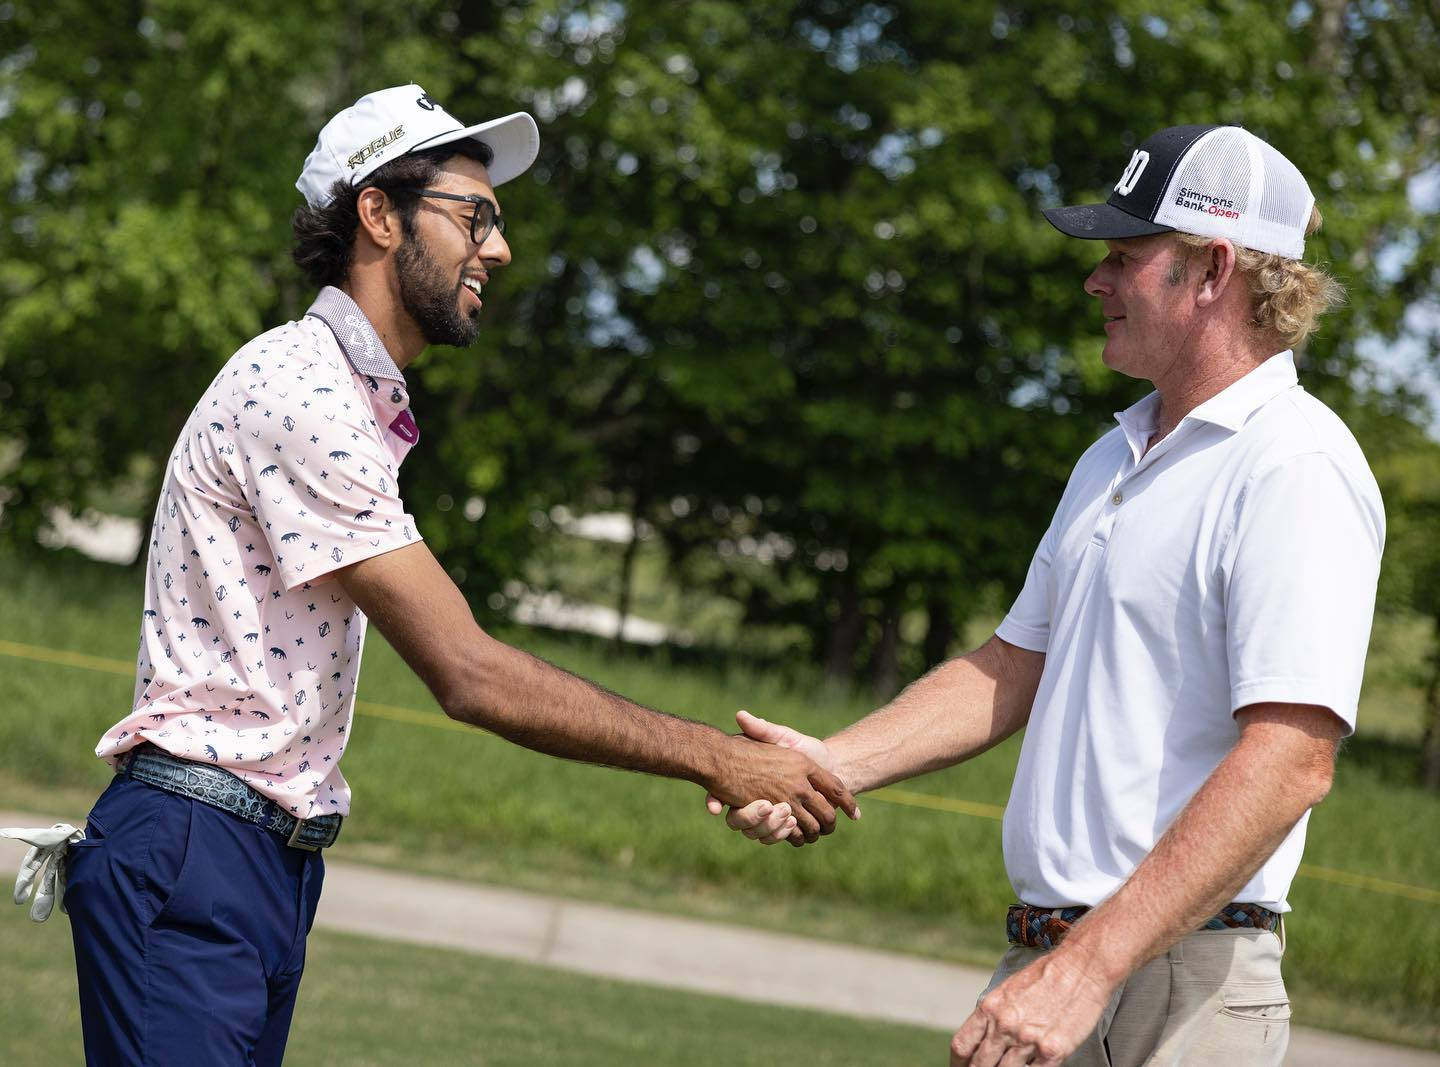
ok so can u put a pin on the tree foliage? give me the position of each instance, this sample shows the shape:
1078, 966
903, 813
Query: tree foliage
1408, 469
781, 286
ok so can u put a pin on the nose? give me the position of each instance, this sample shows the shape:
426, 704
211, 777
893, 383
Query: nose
1099, 283
494, 251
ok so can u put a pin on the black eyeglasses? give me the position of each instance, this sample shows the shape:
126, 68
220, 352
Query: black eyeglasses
486, 216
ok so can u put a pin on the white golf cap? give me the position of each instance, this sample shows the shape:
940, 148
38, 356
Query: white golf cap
394, 122
1212, 181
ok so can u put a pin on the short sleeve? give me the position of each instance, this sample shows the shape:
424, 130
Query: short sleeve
1027, 624
320, 481
1300, 572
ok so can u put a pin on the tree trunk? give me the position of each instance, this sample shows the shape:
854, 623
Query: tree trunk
844, 635
627, 573
939, 634
1330, 26
885, 668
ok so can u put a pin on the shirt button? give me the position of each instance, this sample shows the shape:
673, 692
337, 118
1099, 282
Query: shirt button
1117, 499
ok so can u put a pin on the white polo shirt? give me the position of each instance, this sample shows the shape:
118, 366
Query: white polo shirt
1234, 563
284, 473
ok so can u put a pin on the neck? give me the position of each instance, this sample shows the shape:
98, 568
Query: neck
1207, 371
379, 298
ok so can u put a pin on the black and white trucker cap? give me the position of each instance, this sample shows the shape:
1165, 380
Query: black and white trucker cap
1213, 181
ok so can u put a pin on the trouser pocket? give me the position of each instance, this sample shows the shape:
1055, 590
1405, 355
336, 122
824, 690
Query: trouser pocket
1267, 1011
1249, 1030
165, 861
132, 859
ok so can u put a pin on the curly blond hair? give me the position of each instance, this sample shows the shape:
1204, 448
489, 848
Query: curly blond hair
1287, 296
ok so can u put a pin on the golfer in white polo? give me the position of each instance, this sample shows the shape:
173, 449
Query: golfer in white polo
1187, 649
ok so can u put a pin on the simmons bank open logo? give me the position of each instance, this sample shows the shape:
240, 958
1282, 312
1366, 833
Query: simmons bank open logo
1210, 205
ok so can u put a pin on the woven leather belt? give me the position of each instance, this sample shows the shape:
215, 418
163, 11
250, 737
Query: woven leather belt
1047, 927
221, 789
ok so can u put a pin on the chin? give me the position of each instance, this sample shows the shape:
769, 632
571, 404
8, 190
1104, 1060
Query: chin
1117, 362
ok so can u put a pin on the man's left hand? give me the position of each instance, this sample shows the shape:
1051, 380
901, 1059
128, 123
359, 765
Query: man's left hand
1038, 1016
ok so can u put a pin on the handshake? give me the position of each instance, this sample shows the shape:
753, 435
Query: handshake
809, 784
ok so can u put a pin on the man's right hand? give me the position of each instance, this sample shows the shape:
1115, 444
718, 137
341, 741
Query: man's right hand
766, 822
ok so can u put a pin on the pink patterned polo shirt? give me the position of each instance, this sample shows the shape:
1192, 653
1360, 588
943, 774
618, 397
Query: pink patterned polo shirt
284, 473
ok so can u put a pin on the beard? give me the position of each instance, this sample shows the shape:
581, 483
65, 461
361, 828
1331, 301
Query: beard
430, 298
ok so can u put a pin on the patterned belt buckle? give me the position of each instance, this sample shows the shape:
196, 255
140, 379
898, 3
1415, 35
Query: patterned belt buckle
294, 839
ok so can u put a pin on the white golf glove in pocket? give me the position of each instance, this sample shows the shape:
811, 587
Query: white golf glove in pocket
41, 880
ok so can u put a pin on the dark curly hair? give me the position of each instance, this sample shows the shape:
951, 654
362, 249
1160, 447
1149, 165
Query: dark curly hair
325, 236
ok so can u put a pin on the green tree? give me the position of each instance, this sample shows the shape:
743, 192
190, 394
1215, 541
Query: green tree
820, 296
1409, 474
147, 155
781, 286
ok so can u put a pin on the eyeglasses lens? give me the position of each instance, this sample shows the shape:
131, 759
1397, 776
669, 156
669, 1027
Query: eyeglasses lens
483, 221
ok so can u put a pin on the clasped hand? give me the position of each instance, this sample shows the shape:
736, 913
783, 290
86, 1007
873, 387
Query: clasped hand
771, 822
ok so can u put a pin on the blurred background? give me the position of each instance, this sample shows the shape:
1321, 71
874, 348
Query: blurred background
780, 390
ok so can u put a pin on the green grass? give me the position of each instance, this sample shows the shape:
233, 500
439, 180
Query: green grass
1392, 704
929, 882
374, 1002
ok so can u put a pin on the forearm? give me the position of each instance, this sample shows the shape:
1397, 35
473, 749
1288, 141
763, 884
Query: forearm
489, 684
956, 711
1220, 839
484, 682
542, 707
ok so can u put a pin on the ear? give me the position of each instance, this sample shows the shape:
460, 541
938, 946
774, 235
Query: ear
379, 222
1218, 263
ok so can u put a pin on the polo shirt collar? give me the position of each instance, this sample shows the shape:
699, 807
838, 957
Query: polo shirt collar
1139, 422
358, 340
1229, 408
1232, 406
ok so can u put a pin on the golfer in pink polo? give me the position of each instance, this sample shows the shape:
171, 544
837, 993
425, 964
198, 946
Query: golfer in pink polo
280, 529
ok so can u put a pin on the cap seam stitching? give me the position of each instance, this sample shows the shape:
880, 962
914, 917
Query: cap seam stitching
418, 145
1165, 185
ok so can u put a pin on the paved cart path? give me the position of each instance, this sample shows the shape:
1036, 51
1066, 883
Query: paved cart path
692, 954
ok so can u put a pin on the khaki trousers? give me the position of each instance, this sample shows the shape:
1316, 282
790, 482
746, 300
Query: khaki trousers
1215, 998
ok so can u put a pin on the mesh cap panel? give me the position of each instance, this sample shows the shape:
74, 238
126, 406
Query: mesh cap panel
1217, 171
1232, 184
1285, 202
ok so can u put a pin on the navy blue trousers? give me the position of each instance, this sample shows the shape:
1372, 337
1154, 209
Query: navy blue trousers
189, 926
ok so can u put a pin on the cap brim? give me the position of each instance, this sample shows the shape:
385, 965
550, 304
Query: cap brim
1100, 222
514, 140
